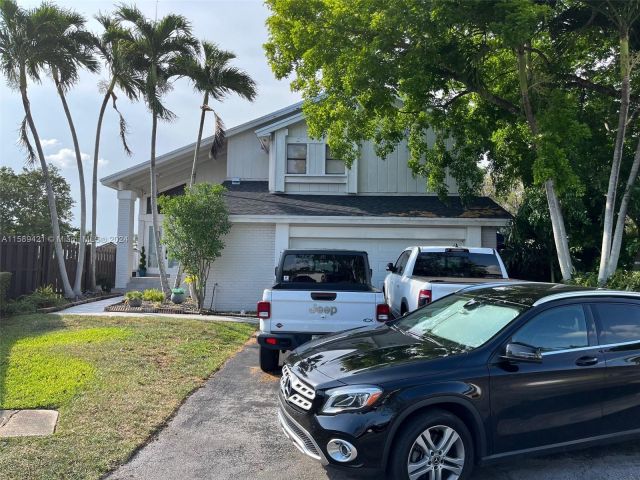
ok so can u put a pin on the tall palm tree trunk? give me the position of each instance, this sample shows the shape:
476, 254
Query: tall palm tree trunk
53, 211
154, 209
77, 286
94, 184
616, 244
625, 93
194, 167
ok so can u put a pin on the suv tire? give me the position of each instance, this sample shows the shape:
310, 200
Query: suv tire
269, 360
433, 441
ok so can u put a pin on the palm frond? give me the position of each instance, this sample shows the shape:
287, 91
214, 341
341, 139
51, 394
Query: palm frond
218, 137
123, 126
25, 143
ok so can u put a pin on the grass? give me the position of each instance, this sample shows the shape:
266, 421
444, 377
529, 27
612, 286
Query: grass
114, 381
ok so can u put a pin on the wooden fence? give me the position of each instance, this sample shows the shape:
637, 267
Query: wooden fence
33, 264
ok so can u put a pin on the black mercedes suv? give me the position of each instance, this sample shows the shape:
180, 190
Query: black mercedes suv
485, 374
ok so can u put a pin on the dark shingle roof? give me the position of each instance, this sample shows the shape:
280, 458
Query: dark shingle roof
253, 198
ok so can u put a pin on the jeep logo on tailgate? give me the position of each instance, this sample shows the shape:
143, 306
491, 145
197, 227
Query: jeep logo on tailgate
320, 310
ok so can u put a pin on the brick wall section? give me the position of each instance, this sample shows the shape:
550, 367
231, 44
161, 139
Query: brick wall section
245, 268
489, 238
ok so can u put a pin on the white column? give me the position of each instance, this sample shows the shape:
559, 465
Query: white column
474, 237
124, 252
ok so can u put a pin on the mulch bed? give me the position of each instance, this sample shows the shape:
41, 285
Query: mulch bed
188, 307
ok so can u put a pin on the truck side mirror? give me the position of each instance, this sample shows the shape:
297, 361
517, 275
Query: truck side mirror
391, 268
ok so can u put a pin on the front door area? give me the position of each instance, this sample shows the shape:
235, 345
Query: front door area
153, 257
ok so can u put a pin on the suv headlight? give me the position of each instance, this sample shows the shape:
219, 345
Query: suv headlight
344, 399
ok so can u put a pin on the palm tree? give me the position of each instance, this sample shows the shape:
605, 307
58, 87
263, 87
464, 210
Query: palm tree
123, 77
214, 78
155, 50
26, 37
74, 50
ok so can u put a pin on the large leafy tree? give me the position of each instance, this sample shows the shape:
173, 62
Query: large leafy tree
26, 40
73, 49
24, 209
155, 51
120, 76
489, 77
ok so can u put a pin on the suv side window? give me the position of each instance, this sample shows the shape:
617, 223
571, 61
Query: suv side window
402, 262
619, 322
560, 328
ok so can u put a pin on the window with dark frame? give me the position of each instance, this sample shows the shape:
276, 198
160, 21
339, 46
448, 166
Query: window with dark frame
297, 158
172, 192
332, 166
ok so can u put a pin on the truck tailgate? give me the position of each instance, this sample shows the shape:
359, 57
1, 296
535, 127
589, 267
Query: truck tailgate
321, 311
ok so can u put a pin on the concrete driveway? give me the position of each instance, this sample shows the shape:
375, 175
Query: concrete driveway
228, 430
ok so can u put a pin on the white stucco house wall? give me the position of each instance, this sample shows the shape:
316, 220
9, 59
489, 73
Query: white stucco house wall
284, 191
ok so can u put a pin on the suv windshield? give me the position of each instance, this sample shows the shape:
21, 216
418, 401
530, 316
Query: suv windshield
465, 320
324, 268
457, 264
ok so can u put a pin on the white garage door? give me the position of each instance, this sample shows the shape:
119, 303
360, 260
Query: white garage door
380, 250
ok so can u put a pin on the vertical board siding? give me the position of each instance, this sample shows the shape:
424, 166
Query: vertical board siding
246, 158
489, 237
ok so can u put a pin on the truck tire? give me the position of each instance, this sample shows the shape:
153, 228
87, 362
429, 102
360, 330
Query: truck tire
269, 360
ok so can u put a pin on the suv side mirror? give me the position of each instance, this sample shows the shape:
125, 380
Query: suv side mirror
517, 352
391, 268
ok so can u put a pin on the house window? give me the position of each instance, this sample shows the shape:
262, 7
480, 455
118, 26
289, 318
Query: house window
297, 158
332, 166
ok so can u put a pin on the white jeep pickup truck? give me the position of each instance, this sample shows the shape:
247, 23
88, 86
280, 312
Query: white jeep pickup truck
316, 292
422, 275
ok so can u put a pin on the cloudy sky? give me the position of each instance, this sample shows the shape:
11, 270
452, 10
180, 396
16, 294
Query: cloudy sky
236, 25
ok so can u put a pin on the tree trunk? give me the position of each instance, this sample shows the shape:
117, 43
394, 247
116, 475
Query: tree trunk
55, 225
192, 181
622, 214
77, 286
625, 92
555, 210
94, 185
154, 209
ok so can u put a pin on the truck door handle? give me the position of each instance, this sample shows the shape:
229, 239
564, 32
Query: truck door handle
586, 361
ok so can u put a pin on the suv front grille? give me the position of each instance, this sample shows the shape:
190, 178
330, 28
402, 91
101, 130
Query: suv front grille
295, 391
299, 436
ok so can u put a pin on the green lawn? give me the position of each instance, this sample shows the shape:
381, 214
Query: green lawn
114, 381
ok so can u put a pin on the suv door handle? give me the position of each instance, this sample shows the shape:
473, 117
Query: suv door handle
586, 361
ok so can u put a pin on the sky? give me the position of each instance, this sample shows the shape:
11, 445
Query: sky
236, 25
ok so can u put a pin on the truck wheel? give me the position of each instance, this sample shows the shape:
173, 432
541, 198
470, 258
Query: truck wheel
269, 360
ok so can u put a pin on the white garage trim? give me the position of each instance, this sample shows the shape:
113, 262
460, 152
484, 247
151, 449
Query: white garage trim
369, 232
352, 220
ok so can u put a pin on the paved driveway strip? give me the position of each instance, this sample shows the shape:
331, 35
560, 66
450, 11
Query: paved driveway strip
228, 430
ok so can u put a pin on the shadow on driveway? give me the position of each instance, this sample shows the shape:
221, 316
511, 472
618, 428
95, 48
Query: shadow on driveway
228, 430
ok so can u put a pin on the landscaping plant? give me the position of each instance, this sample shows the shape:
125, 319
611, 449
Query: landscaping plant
153, 295
194, 228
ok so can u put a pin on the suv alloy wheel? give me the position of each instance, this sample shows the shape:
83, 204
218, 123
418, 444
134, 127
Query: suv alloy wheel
433, 446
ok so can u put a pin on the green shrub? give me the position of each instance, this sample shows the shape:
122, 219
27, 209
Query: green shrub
43, 297
133, 294
5, 282
621, 280
153, 295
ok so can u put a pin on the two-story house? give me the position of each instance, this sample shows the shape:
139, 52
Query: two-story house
285, 190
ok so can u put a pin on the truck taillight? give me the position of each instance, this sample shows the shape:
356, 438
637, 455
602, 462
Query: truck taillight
264, 310
382, 312
424, 297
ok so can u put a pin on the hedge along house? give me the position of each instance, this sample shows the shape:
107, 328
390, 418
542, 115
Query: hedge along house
286, 191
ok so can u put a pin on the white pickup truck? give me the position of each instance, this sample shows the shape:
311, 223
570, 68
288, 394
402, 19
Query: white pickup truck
422, 275
316, 292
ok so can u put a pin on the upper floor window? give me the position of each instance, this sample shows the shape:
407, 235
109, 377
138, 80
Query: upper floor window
333, 166
297, 158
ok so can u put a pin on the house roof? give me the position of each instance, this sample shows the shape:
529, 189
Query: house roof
278, 115
253, 198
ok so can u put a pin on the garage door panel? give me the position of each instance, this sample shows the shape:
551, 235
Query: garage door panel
380, 250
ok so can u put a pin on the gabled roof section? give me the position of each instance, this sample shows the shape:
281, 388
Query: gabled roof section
285, 122
294, 110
